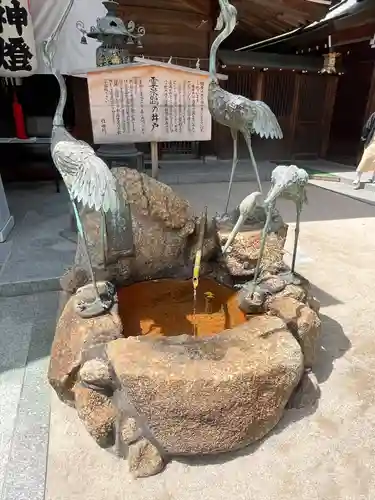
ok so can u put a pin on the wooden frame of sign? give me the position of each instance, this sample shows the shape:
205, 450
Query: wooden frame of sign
149, 101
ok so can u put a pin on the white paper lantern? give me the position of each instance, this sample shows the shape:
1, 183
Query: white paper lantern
17, 43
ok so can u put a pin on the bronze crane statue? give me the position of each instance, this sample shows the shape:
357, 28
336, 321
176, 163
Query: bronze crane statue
86, 177
288, 182
246, 208
238, 113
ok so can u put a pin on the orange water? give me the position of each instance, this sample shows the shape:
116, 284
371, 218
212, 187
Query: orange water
165, 307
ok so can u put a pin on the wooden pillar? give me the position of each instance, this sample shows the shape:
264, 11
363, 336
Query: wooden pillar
370, 107
294, 113
259, 91
329, 104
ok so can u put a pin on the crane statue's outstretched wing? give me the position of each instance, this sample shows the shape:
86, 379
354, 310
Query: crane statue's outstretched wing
265, 122
256, 116
88, 179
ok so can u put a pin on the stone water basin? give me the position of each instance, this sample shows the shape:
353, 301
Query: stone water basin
141, 381
137, 377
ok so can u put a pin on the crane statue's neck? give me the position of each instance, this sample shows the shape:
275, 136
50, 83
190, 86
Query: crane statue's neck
58, 120
213, 52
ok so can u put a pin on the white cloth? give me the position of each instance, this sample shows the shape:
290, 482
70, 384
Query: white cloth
10, 63
71, 54
367, 163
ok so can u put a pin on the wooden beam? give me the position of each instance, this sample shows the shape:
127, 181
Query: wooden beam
270, 60
272, 21
154, 15
316, 10
291, 6
323, 2
173, 45
354, 35
329, 105
294, 113
198, 6
174, 29
261, 31
294, 20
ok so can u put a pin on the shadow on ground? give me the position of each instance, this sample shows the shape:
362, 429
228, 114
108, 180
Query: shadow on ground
324, 298
333, 345
28, 325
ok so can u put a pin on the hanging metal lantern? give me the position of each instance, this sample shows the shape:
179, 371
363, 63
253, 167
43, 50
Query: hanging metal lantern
330, 60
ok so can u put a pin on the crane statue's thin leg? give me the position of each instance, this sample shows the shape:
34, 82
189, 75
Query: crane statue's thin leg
98, 306
234, 165
296, 234
262, 246
103, 237
85, 248
247, 137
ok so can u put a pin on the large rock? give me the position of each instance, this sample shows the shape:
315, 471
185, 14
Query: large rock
302, 321
165, 234
74, 336
97, 413
277, 281
203, 396
241, 257
144, 459
306, 393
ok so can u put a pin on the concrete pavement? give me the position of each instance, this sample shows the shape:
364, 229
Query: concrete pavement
27, 327
366, 195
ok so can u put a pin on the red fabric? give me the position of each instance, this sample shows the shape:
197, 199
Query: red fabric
19, 119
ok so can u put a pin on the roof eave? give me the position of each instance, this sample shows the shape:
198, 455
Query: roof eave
306, 30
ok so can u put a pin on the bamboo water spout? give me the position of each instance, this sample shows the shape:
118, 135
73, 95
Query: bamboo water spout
197, 265
198, 254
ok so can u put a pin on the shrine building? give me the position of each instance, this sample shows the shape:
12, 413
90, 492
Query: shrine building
311, 61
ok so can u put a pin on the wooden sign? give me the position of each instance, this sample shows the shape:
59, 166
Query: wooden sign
17, 44
149, 102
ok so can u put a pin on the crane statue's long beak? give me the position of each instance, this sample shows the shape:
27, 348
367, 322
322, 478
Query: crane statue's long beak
246, 208
235, 230
272, 195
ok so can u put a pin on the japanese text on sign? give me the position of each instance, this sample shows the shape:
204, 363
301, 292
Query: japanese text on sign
149, 103
17, 44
